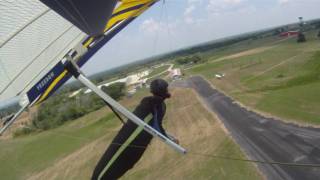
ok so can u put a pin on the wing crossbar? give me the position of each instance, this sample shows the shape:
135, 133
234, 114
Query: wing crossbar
73, 69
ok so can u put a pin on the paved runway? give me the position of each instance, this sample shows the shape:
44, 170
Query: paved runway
263, 138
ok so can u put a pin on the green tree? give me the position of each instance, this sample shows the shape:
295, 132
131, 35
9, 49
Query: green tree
116, 90
190, 59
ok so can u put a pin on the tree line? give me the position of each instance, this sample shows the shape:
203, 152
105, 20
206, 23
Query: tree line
60, 108
190, 60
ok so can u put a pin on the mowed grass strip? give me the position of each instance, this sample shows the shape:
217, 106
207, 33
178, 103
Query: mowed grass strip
23, 156
282, 81
198, 131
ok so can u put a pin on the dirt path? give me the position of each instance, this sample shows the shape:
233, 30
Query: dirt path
237, 55
244, 53
274, 66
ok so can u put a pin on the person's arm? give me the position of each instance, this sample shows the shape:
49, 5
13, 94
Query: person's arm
172, 138
167, 134
163, 131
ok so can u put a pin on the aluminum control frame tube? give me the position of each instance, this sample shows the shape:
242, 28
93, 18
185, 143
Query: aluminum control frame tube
75, 71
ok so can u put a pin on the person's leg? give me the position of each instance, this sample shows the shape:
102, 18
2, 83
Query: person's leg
124, 133
128, 157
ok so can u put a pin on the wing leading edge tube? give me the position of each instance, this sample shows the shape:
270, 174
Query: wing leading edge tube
125, 13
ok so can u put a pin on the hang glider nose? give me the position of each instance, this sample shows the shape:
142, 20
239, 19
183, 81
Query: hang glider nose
90, 16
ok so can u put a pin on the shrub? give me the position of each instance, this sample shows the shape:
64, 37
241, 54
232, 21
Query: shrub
116, 90
23, 131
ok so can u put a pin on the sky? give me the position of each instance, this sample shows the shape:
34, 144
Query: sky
173, 24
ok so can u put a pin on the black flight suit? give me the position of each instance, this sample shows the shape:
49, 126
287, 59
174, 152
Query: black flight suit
116, 162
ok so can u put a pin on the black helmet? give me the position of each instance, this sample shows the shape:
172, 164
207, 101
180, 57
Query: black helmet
159, 87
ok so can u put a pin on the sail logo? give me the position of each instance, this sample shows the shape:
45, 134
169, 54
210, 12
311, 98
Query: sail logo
45, 81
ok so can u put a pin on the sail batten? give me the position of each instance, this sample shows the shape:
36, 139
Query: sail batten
36, 46
37, 95
33, 49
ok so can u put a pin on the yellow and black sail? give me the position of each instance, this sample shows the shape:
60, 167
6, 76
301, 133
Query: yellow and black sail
89, 16
124, 13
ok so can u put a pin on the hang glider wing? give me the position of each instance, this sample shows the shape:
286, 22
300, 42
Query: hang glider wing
34, 39
125, 13
65, 53
90, 17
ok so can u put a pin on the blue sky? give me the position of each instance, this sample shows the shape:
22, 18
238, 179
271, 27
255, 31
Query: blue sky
180, 23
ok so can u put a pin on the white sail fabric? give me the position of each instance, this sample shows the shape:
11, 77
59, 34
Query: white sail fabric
32, 40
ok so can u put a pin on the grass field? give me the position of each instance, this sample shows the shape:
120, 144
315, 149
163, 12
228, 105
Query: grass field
277, 77
200, 132
21, 157
71, 151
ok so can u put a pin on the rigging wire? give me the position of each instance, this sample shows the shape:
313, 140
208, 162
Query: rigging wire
115, 112
167, 24
255, 161
64, 134
156, 39
193, 153
212, 156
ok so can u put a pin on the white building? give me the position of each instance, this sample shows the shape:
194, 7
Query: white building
123, 80
175, 73
131, 81
137, 78
143, 74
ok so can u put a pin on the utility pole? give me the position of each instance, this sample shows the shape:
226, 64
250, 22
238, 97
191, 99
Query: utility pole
301, 23
301, 36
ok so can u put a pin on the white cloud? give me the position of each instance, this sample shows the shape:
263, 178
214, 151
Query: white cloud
191, 23
194, 1
192, 5
188, 14
248, 10
282, 2
189, 20
217, 7
189, 10
150, 26
233, 2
